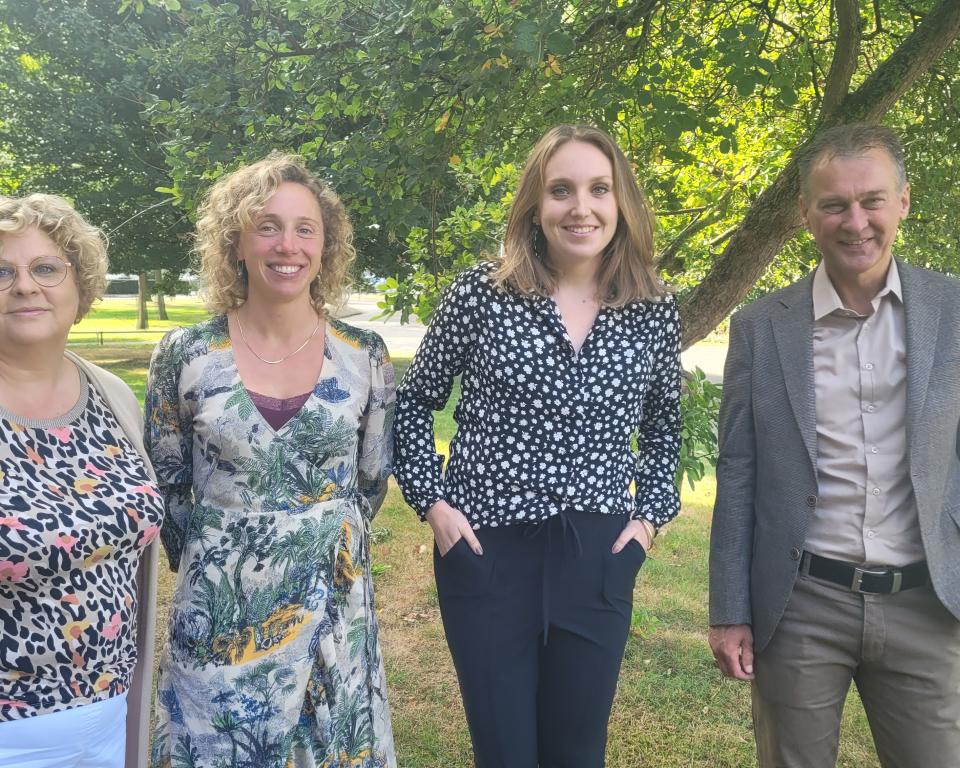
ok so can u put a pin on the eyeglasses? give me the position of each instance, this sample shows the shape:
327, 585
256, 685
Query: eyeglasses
46, 271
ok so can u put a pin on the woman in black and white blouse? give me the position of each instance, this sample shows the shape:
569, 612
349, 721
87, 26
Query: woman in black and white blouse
568, 348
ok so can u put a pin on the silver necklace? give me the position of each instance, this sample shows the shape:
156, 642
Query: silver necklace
285, 357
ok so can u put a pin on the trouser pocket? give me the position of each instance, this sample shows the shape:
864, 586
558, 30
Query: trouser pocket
463, 573
620, 575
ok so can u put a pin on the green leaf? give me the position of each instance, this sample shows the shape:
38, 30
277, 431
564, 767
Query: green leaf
560, 43
527, 39
788, 97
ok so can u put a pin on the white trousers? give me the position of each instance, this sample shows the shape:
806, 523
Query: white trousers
90, 736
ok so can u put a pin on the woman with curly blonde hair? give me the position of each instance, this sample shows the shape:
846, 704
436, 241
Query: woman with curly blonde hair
79, 510
270, 428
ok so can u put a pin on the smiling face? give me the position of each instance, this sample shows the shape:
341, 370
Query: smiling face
578, 208
30, 314
853, 206
282, 251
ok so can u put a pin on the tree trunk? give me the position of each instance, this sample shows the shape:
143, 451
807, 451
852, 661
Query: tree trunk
845, 56
143, 295
774, 217
161, 304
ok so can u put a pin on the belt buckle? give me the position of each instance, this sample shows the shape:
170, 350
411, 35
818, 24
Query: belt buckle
859, 573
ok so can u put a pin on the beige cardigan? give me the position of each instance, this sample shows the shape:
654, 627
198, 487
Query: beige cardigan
123, 403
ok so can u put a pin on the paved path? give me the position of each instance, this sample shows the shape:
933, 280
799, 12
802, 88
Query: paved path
403, 339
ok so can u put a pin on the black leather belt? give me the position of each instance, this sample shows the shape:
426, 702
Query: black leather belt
881, 580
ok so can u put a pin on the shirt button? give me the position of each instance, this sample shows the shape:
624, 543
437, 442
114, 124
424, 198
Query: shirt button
811, 501
868, 366
871, 534
874, 449
794, 554
871, 408
876, 491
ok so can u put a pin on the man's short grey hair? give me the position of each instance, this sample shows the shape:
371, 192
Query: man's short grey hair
851, 140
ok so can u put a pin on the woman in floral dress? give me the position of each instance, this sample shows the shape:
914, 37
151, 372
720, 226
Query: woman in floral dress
269, 426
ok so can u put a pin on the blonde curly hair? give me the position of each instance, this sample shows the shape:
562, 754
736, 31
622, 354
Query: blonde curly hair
80, 243
230, 207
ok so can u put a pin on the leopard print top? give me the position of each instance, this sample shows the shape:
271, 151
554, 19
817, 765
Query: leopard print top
77, 510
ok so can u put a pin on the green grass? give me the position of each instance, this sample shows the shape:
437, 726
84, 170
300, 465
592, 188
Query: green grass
116, 318
673, 709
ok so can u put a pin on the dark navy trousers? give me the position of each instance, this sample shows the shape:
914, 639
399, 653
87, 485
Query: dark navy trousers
537, 627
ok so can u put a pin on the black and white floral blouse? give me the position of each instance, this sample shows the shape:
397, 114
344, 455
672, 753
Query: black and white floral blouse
541, 428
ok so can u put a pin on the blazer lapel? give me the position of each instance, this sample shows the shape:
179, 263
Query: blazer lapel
921, 308
793, 331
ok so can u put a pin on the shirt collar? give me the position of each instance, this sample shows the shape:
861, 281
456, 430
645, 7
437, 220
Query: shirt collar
826, 299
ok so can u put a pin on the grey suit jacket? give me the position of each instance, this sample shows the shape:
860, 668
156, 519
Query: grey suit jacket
766, 475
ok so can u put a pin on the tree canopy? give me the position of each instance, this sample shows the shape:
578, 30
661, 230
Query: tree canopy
74, 85
419, 113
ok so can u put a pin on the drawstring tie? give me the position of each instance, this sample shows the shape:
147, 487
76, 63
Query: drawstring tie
567, 528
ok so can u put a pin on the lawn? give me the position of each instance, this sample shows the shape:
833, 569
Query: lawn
116, 319
672, 709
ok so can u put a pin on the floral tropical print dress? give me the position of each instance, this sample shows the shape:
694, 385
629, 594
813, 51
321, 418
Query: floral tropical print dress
273, 658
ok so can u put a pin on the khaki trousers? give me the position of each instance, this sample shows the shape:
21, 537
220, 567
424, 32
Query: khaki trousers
901, 650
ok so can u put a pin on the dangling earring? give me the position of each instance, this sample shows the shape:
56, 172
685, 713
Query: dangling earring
241, 269
536, 241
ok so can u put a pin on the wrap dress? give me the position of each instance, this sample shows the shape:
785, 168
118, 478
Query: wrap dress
273, 658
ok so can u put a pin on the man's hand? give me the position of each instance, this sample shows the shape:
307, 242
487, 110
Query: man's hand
732, 646
449, 526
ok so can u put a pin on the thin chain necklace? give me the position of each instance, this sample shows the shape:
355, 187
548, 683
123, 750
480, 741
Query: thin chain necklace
285, 357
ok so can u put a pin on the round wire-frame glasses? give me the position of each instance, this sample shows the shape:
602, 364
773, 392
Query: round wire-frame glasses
45, 271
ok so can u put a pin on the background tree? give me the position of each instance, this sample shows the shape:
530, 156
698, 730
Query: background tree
74, 83
418, 112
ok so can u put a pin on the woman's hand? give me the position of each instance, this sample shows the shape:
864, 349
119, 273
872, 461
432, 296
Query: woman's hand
449, 526
641, 530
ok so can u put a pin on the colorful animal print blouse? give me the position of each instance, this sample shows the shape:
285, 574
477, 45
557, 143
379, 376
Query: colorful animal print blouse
76, 511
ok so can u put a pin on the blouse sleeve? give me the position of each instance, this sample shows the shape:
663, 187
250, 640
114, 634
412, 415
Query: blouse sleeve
375, 459
441, 357
657, 496
168, 436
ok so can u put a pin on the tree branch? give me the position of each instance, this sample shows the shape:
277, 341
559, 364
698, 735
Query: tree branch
771, 14
619, 21
670, 260
683, 211
877, 22
722, 237
845, 56
774, 218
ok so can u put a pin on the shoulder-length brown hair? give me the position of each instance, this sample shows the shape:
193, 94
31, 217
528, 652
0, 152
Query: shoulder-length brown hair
627, 272
230, 207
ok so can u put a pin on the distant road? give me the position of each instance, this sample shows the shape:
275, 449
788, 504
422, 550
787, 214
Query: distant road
403, 339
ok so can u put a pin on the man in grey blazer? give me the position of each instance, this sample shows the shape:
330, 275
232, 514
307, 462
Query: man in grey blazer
835, 550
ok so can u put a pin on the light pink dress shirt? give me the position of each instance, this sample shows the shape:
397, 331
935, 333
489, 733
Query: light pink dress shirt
866, 511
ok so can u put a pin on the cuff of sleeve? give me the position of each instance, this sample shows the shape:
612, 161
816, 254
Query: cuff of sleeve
421, 508
646, 516
659, 506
